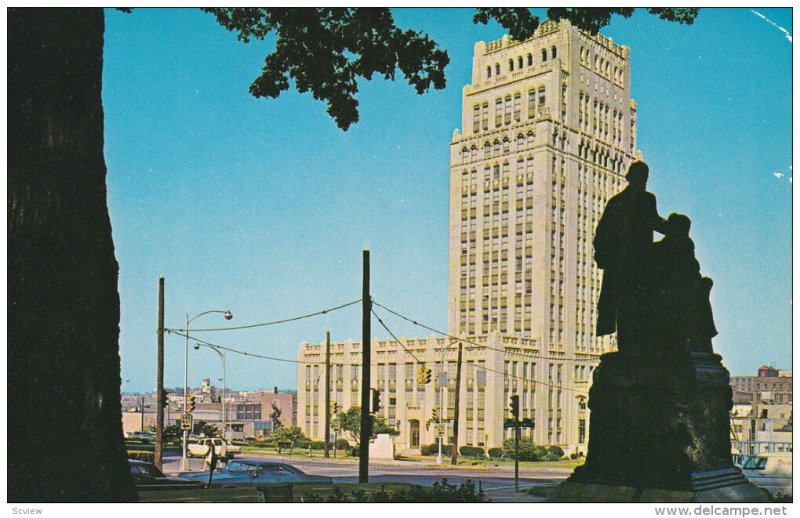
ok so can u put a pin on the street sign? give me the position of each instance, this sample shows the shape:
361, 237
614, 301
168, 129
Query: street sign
442, 378
440, 430
186, 421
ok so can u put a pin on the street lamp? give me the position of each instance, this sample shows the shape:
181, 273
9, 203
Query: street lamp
224, 385
228, 315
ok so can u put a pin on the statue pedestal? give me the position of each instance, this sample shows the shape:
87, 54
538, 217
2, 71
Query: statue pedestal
659, 432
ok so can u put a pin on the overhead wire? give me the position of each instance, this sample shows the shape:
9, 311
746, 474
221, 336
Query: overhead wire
467, 340
477, 366
236, 351
272, 323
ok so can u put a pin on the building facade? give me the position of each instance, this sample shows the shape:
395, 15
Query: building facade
548, 132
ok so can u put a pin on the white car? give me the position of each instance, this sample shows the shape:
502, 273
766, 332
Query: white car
770, 471
222, 448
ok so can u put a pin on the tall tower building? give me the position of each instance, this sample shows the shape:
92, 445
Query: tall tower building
548, 131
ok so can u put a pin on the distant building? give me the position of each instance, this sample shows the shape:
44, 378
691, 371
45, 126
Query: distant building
762, 414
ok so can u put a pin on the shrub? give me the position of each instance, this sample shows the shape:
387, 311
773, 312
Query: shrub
342, 444
317, 445
433, 449
550, 456
147, 456
573, 456
495, 453
556, 450
473, 452
439, 492
527, 450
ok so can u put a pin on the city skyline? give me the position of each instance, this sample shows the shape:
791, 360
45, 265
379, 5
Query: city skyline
266, 205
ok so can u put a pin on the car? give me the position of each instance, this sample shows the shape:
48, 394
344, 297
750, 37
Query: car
221, 447
772, 472
255, 472
147, 476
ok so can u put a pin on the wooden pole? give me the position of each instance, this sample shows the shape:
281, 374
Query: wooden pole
366, 307
327, 393
454, 455
159, 449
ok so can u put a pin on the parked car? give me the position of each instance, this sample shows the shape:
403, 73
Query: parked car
140, 435
255, 472
771, 472
221, 447
147, 476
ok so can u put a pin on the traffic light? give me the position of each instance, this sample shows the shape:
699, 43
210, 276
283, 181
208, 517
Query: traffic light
515, 406
427, 378
164, 396
435, 414
192, 402
334, 407
421, 375
376, 401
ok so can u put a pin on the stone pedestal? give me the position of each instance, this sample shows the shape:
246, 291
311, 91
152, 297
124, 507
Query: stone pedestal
659, 432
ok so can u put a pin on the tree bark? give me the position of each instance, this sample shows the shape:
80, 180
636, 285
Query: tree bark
64, 420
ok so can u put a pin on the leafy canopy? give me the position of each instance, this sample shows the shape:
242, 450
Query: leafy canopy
350, 424
325, 50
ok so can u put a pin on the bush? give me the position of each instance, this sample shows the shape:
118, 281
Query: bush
550, 457
472, 452
433, 449
556, 450
147, 456
342, 444
439, 492
573, 456
527, 450
317, 445
495, 453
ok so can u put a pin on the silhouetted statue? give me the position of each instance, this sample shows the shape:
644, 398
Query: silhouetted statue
274, 416
679, 298
622, 243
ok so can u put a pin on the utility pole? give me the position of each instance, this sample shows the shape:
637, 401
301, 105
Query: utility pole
454, 457
159, 448
366, 346
327, 392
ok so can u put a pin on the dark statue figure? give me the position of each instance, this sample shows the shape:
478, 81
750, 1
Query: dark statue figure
274, 416
659, 423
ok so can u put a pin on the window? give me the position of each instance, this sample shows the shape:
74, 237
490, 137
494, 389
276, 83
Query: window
510, 65
553, 52
488, 71
497, 68
544, 55
541, 95
519, 62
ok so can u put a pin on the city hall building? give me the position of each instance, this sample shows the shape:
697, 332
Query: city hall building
548, 131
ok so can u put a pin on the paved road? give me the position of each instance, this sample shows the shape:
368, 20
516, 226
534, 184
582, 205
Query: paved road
496, 481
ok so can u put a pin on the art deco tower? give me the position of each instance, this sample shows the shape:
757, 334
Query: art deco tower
548, 131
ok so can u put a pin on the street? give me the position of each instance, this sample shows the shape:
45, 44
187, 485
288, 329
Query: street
496, 481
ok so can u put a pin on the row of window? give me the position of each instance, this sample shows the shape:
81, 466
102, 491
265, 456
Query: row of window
519, 62
602, 66
507, 109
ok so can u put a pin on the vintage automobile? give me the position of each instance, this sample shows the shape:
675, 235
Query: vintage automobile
255, 472
147, 476
222, 448
772, 472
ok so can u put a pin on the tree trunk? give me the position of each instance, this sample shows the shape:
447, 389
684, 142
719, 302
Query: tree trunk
64, 421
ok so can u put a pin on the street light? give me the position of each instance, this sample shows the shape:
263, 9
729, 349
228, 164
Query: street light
228, 315
224, 385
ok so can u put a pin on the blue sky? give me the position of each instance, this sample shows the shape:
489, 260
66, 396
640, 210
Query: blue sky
264, 206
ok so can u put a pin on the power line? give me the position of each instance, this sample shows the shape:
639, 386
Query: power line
272, 323
467, 340
395, 337
236, 351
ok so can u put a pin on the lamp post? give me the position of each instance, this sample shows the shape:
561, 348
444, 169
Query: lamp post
224, 385
228, 315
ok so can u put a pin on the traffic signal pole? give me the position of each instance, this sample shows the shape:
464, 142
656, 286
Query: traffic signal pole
366, 331
159, 448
